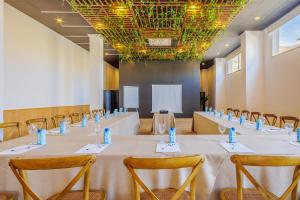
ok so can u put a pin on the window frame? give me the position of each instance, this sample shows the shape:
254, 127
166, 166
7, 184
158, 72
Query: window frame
239, 56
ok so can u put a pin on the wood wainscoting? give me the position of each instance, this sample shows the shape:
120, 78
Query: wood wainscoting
21, 115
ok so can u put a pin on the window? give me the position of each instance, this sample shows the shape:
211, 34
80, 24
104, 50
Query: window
287, 36
234, 64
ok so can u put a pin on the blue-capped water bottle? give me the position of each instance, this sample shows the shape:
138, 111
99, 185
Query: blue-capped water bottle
120, 110
206, 108
62, 127
126, 110
242, 120
210, 110
298, 135
259, 125
172, 135
229, 116
41, 137
107, 113
115, 113
107, 136
97, 118
83, 121
232, 135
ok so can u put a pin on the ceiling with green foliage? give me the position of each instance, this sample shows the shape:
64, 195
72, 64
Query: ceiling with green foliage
157, 29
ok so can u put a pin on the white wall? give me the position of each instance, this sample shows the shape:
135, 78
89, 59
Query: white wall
1, 67
42, 68
220, 85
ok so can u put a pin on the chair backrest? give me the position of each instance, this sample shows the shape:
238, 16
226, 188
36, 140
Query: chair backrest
236, 112
57, 119
87, 114
285, 119
20, 166
270, 119
229, 110
39, 122
11, 125
95, 111
241, 161
246, 113
193, 162
75, 117
254, 116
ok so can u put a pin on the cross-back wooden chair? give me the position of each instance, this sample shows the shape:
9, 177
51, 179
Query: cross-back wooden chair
270, 119
94, 112
87, 114
6, 196
229, 110
259, 192
39, 122
236, 112
254, 116
285, 119
57, 119
11, 125
246, 113
194, 162
102, 111
19, 166
75, 117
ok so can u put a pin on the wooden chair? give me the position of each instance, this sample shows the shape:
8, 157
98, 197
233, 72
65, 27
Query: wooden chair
11, 125
246, 113
236, 112
259, 192
87, 114
194, 162
270, 119
57, 119
229, 110
6, 196
254, 116
39, 122
20, 166
94, 112
75, 118
285, 119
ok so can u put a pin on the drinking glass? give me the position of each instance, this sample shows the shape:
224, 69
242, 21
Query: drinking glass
67, 120
222, 129
32, 129
289, 127
161, 128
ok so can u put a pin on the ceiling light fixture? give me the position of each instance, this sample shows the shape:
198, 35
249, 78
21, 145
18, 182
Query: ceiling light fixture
227, 45
218, 53
257, 18
59, 20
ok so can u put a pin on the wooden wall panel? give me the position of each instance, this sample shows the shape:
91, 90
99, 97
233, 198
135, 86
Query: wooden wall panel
111, 77
21, 115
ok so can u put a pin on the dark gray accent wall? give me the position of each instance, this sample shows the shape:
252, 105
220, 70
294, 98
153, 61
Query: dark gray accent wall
145, 74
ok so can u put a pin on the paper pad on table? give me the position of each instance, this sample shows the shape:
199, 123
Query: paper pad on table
20, 149
92, 148
236, 148
297, 144
167, 148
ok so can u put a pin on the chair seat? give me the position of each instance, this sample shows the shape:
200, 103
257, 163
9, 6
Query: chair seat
78, 195
6, 196
248, 194
165, 194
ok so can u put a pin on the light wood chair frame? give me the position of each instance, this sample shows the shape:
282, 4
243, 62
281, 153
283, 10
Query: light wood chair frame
241, 161
38, 120
283, 120
195, 162
255, 116
246, 113
236, 112
73, 115
56, 118
11, 125
88, 114
268, 116
18, 166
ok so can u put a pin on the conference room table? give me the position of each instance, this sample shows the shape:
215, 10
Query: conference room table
109, 173
207, 123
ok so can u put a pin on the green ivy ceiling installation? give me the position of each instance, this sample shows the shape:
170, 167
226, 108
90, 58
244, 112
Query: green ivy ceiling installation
159, 30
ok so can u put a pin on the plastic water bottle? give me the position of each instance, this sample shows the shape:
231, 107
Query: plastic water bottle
232, 135
229, 116
107, 115
206, 109
242, 120
83, 121
41, 137
107, 136
259, 125
62, 127
172, 135
298, 135
97, 118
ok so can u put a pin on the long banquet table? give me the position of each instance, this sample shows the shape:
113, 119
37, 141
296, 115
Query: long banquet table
109, 173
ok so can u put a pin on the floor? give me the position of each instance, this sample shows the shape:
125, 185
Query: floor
183, 126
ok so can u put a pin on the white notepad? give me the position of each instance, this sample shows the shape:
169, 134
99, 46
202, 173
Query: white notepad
297, 144
75, 125
20, 149
236, 148
92, 148
167, 148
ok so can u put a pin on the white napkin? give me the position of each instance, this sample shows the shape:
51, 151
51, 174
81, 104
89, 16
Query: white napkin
167, 148
20, 149
55, 132
92, 148
236, 148
75, 125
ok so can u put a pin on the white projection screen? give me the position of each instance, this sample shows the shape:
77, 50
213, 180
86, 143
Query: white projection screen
131, 97
167, 97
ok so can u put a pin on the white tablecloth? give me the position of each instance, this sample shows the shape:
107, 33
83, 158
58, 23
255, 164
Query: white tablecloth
109, 173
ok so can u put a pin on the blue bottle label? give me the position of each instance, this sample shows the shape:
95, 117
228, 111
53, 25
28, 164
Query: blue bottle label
242, 120
258, 125
172, 135
229, 116
41, 137
298, 135
97, 118
232, 135
83, 121
107, 136
62, 127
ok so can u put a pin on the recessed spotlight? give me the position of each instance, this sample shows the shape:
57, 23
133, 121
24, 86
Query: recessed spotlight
106, 54
218, 53
59, 20
256, 18
227, 45
203, 63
